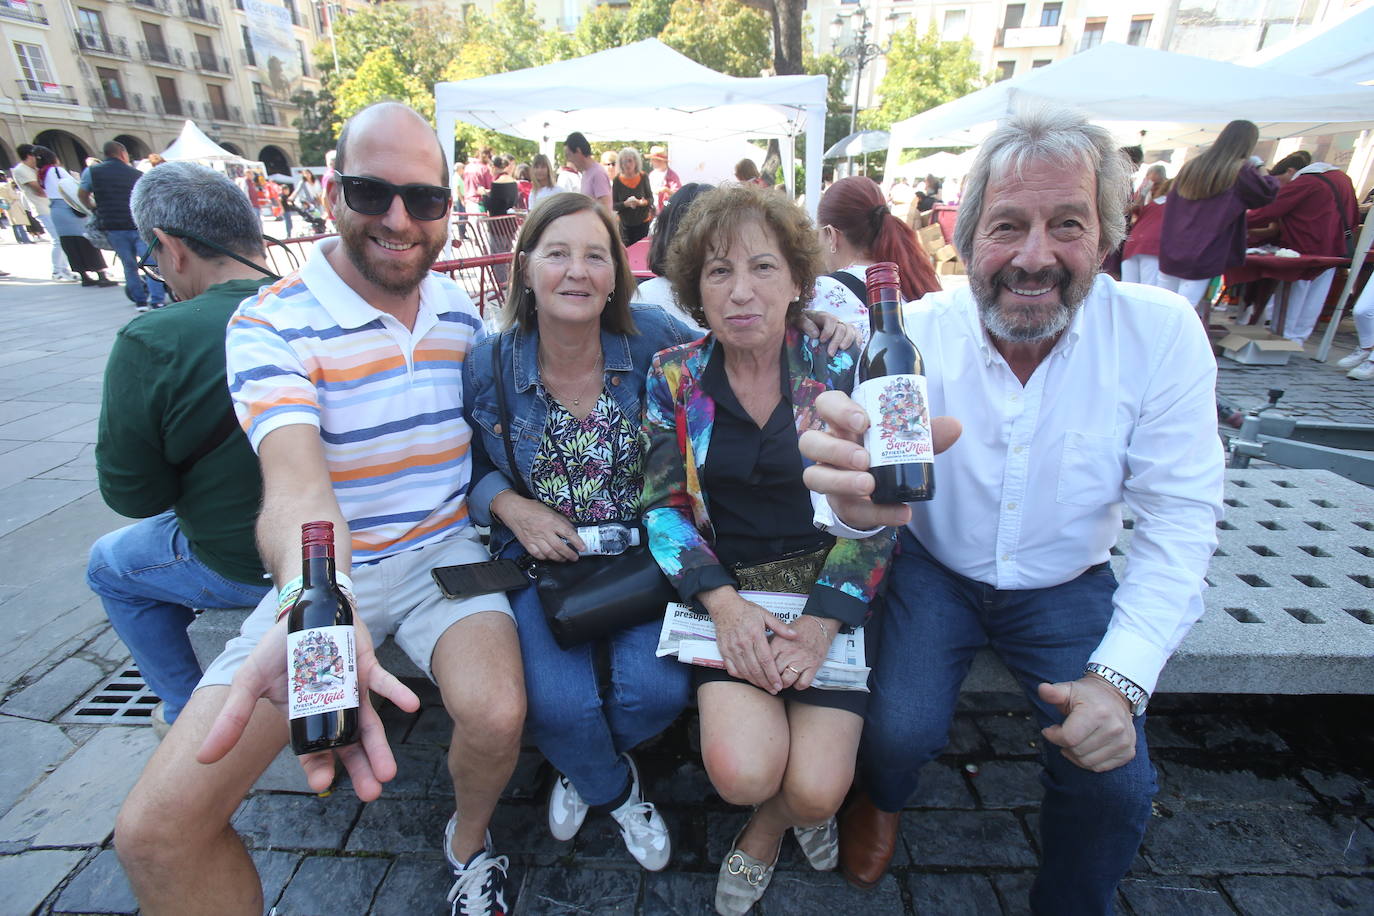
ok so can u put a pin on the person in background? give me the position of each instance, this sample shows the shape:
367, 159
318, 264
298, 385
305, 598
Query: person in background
307, 196
747, 173
523, 180
658, 289
477, 179
326, 201
25, 174
16, 209
632, 197
1204, 218
929, 194
609, 160
662, 178
70, 223
726, 510
542, 180
169, 450
1360, 361
153, 161
595, 183
504, 194
1140, 257
1315, 211
569, 178
106, 189
1149, 189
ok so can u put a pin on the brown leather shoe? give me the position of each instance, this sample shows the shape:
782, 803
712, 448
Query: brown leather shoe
868, 837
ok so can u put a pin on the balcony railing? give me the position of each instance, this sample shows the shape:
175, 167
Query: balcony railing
102, 43
161, 54
210, 63
196, 9
26, 12
104, 102
155, 6
57, 94
173, 108
266, 116
224, 113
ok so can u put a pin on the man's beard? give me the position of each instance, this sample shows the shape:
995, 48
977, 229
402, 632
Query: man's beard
396, 281
1028, 323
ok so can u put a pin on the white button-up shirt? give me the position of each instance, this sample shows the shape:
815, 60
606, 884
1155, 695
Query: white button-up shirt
1122, 410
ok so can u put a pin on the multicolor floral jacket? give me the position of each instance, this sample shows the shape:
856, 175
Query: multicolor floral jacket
678, 418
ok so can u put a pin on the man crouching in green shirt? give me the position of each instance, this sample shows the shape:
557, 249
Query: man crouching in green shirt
170, 451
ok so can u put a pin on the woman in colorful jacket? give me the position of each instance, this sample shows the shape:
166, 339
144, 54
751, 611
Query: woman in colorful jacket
726, 509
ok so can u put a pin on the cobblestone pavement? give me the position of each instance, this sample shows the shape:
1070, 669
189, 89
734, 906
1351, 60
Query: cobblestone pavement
1266, 805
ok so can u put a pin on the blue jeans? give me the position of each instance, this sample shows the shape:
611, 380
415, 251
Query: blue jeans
148, 580
581, 732
129, 247
1091, 824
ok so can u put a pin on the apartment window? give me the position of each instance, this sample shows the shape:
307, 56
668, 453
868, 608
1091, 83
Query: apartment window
90, 23
1016, 12
248, 47
33, 67
1037, 64
171, 101
1049, 13
205, 49
1140, 31
955, 25
1006, 69
157, 46
112, 88
1092, 33
291, 8
219, 109
305, 61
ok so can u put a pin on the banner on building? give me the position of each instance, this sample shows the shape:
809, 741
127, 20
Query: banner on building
274, 48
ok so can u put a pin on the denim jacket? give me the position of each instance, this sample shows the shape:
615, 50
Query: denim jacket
627, 358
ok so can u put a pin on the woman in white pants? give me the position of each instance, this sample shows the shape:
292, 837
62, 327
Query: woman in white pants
1360, 362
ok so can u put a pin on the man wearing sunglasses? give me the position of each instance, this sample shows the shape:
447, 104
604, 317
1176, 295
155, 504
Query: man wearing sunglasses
169, 449
347, 377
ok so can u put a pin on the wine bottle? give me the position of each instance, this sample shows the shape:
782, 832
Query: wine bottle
608, 538
321, 656
892, 391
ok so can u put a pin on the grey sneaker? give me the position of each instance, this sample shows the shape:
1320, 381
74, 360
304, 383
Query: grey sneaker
743, 880
158, 720
1363, 372
1356, 356
642, 827
567, 810
820, 845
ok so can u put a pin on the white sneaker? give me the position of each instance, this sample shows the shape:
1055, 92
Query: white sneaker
642, 827
479, 886
1356, 356
567, 810
1363, 372
62, 276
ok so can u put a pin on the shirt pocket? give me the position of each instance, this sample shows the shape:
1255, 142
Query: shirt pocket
1091, 470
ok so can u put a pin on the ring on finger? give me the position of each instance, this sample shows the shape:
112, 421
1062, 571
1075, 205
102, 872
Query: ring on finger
793, 670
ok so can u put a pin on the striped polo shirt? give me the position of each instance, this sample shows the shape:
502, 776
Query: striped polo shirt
386, 400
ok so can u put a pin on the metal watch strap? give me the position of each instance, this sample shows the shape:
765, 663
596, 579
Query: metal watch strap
1133, 692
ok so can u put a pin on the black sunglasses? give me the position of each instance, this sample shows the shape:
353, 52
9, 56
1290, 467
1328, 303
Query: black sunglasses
371, 196
148, 263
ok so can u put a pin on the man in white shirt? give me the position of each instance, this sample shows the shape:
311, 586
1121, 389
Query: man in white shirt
1076, 394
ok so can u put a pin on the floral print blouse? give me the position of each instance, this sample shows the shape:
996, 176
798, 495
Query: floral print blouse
589, 470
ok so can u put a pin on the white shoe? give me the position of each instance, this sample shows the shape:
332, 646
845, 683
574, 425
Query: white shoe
63, 276
479, 887
567, 810
1363, 372
1357, 356
642, 827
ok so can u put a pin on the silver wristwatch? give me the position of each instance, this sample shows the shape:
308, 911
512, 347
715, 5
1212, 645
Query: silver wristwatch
1129, 689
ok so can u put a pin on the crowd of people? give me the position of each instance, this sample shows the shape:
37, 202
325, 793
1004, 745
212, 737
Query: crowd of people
709, 408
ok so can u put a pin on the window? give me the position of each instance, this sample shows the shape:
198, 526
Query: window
171, 101
90, 22
1006, 69
1092, 33
305, 61
1140, 31
1037, 64
33, 67
955, 27
248, 56
219, 109
153, 41
1049, 13
291, 8
1015, 13
112, 88
205, 50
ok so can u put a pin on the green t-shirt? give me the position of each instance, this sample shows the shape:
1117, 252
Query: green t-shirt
165, 394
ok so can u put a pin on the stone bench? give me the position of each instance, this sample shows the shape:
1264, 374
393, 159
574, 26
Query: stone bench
1290, 609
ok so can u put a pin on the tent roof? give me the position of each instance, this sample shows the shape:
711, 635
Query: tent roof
1341, 50
193, 144
642, 91
1177, 99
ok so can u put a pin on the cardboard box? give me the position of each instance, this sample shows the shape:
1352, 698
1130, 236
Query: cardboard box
949, 267
946, 253
1255, 350
931, 237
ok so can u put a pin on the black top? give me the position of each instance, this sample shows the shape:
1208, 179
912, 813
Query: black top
503, 197
759, 506
112, 183
620, 192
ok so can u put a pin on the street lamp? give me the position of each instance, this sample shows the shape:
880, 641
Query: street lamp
860, 51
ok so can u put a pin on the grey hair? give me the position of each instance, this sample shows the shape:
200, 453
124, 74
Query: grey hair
630, 152
186, 197
1061, 135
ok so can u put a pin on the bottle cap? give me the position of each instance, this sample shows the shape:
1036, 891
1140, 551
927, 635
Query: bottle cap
882, 275
317, 533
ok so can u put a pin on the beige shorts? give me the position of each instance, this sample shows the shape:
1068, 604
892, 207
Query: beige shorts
397, 597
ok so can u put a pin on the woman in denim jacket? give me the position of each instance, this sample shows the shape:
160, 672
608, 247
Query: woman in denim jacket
574, 356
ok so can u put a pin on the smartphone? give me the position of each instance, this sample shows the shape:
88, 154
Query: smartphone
472, 579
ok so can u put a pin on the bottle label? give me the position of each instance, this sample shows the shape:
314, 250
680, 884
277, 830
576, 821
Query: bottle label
898, 420
322, 671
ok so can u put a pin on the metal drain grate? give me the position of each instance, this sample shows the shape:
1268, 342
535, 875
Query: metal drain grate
122, 700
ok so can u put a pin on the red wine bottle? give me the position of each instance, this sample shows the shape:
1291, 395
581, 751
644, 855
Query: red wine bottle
321, 657
892, 390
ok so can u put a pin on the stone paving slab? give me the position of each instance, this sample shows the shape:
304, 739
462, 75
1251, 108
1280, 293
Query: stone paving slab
30, 877
100, 887
327, 884
59, 688
28, 752
1212, 839
1258, 896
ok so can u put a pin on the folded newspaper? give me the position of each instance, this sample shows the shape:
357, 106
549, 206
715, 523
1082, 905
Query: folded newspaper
692, 638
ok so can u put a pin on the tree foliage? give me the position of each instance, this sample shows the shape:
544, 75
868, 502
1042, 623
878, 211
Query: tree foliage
922, 71
725, 35
381, 76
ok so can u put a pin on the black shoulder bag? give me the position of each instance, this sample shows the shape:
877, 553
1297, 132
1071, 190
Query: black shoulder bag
595, 596
1347, 231
856, 286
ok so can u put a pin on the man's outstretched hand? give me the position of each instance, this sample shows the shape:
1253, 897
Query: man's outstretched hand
263, 676
840, 471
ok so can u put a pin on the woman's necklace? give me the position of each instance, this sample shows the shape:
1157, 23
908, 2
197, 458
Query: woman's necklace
582, 392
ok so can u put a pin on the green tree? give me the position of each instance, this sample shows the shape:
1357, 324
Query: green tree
922, 71
724, 35
645, 19
599, 29
315, 125
382, 76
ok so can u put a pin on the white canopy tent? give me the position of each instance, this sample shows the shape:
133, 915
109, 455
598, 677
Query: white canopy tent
192, 144
643, 91
1341, 50
1176, 99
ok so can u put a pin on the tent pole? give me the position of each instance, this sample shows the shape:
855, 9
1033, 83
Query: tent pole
447, 124
1361, 253
789, 165
815, 140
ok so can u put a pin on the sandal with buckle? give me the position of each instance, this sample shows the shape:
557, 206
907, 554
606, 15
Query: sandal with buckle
743, 879
820, 844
